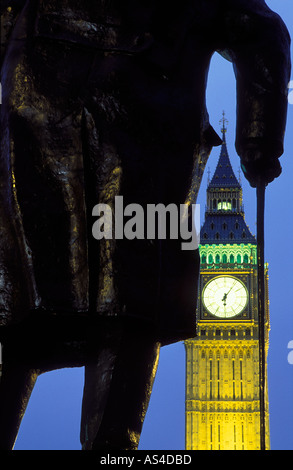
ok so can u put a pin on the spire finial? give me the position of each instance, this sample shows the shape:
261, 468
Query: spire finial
239, 173
224, 121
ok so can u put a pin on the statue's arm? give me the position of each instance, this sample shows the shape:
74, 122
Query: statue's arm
9, 11
258, 43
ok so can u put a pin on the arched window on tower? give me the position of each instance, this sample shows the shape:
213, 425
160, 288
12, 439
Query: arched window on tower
245, 259
239, 259
232, 259
211, 259
224, 258
217, 259
224, 205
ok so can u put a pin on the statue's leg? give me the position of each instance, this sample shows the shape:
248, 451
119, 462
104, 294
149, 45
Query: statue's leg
117, 391
16, 385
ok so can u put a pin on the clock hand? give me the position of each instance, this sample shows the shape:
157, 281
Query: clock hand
226, 295
224, 299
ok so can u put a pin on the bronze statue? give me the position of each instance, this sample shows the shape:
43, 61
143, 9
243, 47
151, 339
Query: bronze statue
102, 99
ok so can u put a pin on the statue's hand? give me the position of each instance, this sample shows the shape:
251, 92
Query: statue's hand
259, 168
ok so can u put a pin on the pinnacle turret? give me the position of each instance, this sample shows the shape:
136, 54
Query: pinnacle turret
224, 216
224, 176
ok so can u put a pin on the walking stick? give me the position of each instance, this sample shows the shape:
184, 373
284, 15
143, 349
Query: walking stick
260, 191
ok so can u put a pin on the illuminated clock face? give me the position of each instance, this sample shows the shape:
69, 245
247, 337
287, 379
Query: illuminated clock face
225, 297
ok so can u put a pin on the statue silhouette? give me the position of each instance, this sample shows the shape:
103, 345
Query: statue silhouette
104, 99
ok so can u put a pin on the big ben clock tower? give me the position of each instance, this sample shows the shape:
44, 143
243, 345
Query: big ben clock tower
222, 368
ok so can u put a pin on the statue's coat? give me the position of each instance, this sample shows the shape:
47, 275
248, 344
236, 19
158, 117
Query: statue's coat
107, 98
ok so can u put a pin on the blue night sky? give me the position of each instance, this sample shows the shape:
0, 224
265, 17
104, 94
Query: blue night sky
53, 415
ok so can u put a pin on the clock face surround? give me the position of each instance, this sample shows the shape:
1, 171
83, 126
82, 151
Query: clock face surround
225, 297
